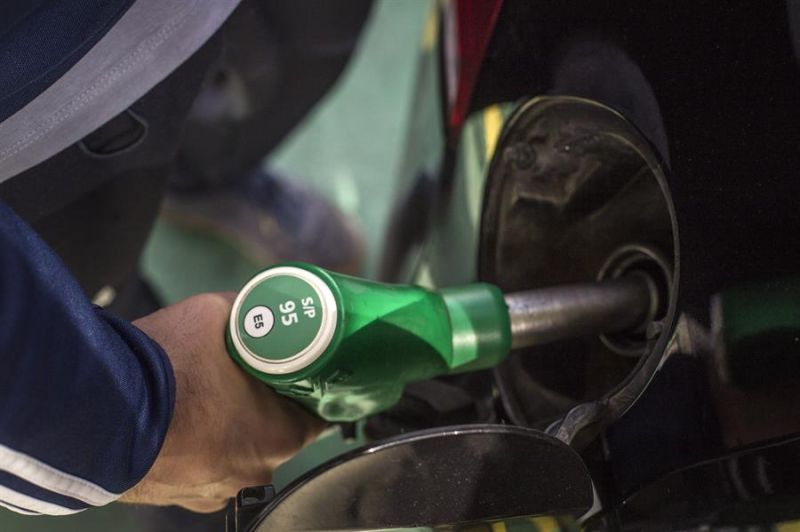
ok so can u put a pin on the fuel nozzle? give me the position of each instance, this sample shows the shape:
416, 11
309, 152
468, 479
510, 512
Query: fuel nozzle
346, 347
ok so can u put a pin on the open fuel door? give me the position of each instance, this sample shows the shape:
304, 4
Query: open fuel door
434, 479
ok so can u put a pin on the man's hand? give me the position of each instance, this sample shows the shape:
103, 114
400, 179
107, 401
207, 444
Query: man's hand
229, 430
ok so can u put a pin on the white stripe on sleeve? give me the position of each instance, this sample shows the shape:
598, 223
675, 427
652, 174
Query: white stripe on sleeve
17, 509
36, 472
31, 505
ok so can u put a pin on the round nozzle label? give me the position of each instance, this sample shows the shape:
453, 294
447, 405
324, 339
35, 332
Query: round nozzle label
258, 321
283, 319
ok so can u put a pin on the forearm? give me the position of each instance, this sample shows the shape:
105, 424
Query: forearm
85, 398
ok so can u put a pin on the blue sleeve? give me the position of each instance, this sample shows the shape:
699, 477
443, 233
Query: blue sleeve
85, 397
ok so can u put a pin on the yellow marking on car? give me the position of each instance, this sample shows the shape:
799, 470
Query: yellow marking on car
430, 32
492, 123
545, 524
788, 526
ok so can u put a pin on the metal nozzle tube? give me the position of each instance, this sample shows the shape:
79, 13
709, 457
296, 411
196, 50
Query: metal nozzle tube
571, 311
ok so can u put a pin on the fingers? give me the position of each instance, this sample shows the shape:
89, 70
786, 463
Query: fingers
297, 426
312, 426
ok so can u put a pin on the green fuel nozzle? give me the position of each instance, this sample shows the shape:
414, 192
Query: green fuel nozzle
346, 347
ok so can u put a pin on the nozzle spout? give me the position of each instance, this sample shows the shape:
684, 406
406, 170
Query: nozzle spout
571, 311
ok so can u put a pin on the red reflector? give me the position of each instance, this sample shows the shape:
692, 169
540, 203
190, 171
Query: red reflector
468, 25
